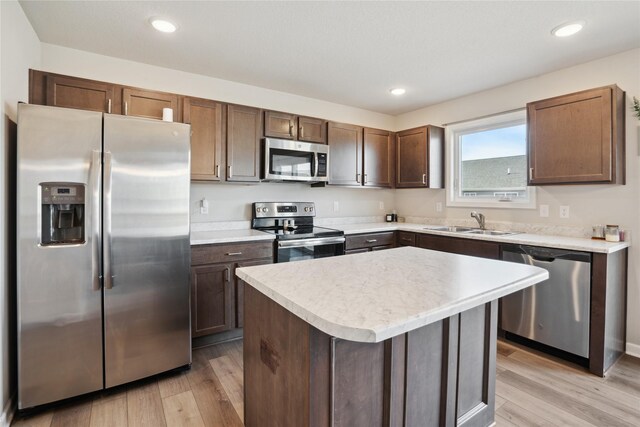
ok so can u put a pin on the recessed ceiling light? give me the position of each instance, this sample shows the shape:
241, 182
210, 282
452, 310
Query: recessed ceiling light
397, 91
163, 25
568, 29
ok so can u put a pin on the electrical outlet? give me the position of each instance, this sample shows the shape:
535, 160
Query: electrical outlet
381, 206
438, 206
544, 211
564, 211
336, 206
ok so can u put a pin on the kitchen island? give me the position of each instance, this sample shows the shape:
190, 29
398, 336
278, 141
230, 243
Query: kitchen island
405, 336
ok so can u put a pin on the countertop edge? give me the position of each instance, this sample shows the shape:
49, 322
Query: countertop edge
385, 332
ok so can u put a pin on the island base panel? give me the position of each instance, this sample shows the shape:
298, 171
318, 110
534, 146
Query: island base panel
442, 374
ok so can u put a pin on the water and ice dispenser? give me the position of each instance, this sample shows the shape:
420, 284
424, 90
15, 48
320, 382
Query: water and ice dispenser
63, 209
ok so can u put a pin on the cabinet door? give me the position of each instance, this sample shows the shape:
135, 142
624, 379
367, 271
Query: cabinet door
378, 158
280, 125
406, 238
244, 128
212, 299
345, 155
411, 155
82, 94
571, 138
312, 130
459, 246
148, 104
205, 118
240, 288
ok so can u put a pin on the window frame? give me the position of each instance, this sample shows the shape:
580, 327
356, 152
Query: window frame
453, 176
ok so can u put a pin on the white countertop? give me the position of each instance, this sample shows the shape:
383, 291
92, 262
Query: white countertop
561, 242
228, 236
373, 296
202, 237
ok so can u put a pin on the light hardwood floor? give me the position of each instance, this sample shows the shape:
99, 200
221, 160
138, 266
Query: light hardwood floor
531, 391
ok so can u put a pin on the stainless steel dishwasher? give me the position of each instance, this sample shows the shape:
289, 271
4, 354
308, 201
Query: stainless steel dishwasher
555, 312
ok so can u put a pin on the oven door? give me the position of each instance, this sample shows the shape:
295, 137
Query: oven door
294, 161
298, 250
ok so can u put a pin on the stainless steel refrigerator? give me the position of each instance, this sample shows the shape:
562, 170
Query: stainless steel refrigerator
103, 251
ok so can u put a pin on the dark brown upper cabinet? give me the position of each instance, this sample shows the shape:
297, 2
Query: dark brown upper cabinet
290, 126
207, 138
149, 104
420, 158
311, 129
71, 92
378, 158
280, 125
244, 130
577, 138
360, 156
345, 154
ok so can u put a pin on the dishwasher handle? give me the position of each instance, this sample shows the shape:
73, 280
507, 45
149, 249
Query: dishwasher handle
548, 254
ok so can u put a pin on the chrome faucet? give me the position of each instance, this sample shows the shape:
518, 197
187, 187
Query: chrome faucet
479, 217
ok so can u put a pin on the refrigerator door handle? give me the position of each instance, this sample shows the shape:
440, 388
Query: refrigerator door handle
94, 183
108, 273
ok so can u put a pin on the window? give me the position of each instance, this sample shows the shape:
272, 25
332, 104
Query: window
488, 162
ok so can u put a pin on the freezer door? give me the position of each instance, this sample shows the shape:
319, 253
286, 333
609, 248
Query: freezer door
58, 297
146, 247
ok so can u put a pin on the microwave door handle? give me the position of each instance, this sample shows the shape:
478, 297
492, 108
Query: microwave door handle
315, 171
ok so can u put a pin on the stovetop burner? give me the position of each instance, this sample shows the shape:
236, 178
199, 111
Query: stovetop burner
289, 220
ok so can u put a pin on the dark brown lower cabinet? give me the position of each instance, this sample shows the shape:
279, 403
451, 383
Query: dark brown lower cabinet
216, 292
455, 245
212, 299
358, 243
442, 374
406, 238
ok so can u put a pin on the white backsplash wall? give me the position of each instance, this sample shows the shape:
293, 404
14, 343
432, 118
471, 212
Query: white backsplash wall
232, 202
588, 204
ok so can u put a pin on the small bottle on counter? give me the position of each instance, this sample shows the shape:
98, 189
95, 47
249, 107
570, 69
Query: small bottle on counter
612, 233
598, 232
388, 217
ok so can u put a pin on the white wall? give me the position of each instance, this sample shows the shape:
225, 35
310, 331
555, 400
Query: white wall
78, 63
589, 204
20, 51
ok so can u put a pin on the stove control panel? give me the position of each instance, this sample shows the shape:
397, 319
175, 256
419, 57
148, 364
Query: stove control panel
283, 209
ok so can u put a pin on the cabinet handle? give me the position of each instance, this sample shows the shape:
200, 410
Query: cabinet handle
424, 178
217, 171
530, 174
226, 275
358, 178
234, 253
290, 129
371, 240
109, 106
301, 131
230, 171
126, 109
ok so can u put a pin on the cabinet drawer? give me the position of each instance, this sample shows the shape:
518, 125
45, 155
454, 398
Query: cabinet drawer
369, 240
231, 252
406, 238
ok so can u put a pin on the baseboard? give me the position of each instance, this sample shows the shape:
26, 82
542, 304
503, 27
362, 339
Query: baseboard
7, 413
633, 350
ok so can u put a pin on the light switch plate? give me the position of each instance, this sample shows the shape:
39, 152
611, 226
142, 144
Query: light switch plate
564, 211
381, 205
544, 211
438, 206
336, 206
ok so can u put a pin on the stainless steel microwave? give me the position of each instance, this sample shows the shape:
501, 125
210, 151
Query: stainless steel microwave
285, 160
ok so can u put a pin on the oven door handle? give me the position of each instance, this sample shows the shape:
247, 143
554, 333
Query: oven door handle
315, 169
310, 242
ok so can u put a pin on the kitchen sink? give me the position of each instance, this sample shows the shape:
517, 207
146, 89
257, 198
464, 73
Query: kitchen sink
470, 230
492, 232
451, 228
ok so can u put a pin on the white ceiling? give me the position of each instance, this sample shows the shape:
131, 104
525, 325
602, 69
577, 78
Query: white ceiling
350, 53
